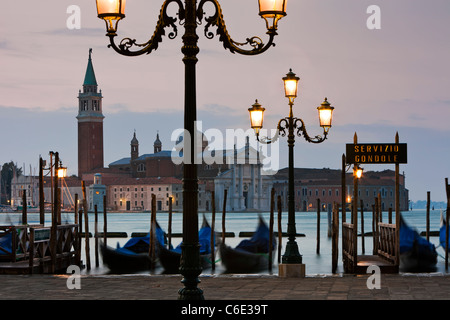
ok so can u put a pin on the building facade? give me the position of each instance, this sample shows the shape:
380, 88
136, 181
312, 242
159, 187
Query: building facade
135, 194
326, 185
24, 184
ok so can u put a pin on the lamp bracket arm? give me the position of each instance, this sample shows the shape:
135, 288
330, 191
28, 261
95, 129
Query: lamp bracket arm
164, 21
301, 131
268, 140
218, 21
283, 125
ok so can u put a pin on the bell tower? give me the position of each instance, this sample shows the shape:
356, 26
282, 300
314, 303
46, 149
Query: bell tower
157, 145
90, 123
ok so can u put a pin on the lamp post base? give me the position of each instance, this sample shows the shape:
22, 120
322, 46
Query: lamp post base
291, 270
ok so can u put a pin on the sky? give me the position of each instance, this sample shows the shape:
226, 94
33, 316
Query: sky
380, 81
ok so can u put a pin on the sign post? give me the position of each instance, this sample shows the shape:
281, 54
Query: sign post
381, 153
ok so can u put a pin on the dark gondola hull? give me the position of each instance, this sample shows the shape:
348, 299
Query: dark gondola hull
416, 261
239, 261
121, 262
250, 255
170, 260
416, 253
133, 256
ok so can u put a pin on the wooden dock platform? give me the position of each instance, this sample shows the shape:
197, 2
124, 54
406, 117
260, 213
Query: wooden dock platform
38, 249
364, 261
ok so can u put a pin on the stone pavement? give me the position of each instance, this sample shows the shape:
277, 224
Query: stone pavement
434, 286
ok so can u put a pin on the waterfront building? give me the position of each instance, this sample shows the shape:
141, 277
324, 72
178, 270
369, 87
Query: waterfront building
326, 185
28, 184
135, 194
97, 191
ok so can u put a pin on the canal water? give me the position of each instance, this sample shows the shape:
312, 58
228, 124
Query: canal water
306, 224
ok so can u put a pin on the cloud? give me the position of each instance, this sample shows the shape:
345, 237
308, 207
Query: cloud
4, 45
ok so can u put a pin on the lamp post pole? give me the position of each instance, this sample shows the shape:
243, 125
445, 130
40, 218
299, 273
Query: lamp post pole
292, 254
112, 11
189, 266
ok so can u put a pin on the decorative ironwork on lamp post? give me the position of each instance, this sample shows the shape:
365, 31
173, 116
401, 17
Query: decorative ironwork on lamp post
294, 126
190, 15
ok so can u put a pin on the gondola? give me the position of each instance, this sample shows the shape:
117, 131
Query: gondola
250, 255
170, 258
133, 256
5, 245
416, 253
442, 232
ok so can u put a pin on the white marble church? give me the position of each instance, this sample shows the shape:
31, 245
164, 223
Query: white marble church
248, 189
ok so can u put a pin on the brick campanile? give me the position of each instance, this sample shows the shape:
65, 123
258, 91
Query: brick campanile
90, 123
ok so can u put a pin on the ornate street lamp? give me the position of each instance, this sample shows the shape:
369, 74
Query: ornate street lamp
357, 171
62, 172
190, 15
290, 123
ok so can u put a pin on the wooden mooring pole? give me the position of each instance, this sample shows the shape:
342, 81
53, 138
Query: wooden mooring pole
335, 238
447, 189
374, 221
41, 192
397, 208
105, 221
24, 207
224, 209
272, 208
151, 252
96, 236
390, 215
80, 228
280, 231
75, 218
428, 217
86, 227
213, 235
169, 226
363, 245
318, 227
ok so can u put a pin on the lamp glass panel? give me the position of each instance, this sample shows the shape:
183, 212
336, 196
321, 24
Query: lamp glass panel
62, 172
290, 88
272, 5
256, 118
325, 117
359, 173
112, 7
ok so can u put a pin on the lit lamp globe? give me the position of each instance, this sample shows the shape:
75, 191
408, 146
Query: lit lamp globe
325, 115
272, 11
62, 172
290, 86
358, 172
111, 11
256, 116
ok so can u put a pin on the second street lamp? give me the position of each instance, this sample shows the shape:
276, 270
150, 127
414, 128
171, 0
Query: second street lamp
294, 126
190, 15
